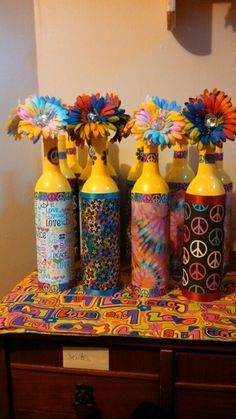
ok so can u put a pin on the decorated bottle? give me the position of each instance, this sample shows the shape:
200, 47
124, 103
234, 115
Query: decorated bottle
41, 117
178, 179
111, 170
150, 228
86, 172
133, 174
72, 160
211, 121
228, 187
95, 119
159, 123
54, 224
100, 215
203, 231
72, 179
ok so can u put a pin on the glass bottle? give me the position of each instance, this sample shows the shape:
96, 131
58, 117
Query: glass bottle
72, 179
133, 174
100, 217
178, 178
203, 232
54, 224
150, 228
228, 187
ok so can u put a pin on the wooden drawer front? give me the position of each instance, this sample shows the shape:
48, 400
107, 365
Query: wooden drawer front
54, 391
195, 404
205, 386
121, 358
205, 368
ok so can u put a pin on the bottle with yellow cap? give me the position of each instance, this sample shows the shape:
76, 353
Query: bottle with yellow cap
40, 117
211, 119
54, 224
228, 187
133, 174
178, 178
100, 217
72, 179
72, 159
97, 120
160, 124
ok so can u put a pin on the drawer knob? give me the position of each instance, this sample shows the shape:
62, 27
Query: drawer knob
84, 404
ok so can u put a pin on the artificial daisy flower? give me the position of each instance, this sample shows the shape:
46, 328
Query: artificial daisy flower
39, 116
211, 119
96, 116
160, 122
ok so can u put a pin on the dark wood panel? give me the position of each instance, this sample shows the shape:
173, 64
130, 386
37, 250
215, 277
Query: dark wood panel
205, 368
4, 387
115, 396
195, 404
41, 414
121, 358
135, 359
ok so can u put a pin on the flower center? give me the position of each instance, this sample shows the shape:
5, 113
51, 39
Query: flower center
92, 117
159, 124
42, 120
210, 120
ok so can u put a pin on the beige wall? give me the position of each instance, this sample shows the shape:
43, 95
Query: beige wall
19, 161
101, 45
124, 46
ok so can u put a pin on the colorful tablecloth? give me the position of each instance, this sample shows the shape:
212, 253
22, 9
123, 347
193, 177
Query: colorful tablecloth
28, 309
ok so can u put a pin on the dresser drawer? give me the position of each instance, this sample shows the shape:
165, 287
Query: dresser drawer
52, 389
205, 386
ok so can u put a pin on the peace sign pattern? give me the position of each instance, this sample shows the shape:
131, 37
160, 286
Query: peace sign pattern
203, 244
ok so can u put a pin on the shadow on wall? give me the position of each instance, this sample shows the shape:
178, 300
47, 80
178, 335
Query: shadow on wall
19, 167
194, 24
17, 242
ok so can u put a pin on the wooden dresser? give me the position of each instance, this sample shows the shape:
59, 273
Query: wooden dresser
186, 375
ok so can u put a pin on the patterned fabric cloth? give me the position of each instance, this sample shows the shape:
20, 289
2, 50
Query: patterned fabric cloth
28, 309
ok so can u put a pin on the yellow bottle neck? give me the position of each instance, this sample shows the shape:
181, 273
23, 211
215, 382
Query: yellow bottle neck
99, 157
206, 164
65, 169
150, 159
50, 160
180, 157
219, 157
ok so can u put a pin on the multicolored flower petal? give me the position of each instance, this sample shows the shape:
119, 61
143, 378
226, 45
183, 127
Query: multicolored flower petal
158, 121
211, 119
39, 116
96, 116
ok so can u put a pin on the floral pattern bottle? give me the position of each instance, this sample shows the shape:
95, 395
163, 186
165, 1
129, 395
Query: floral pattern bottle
228, 187
54, 224
95, 119
133, 175
150, 229
72, 179
100, 215
178, 179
